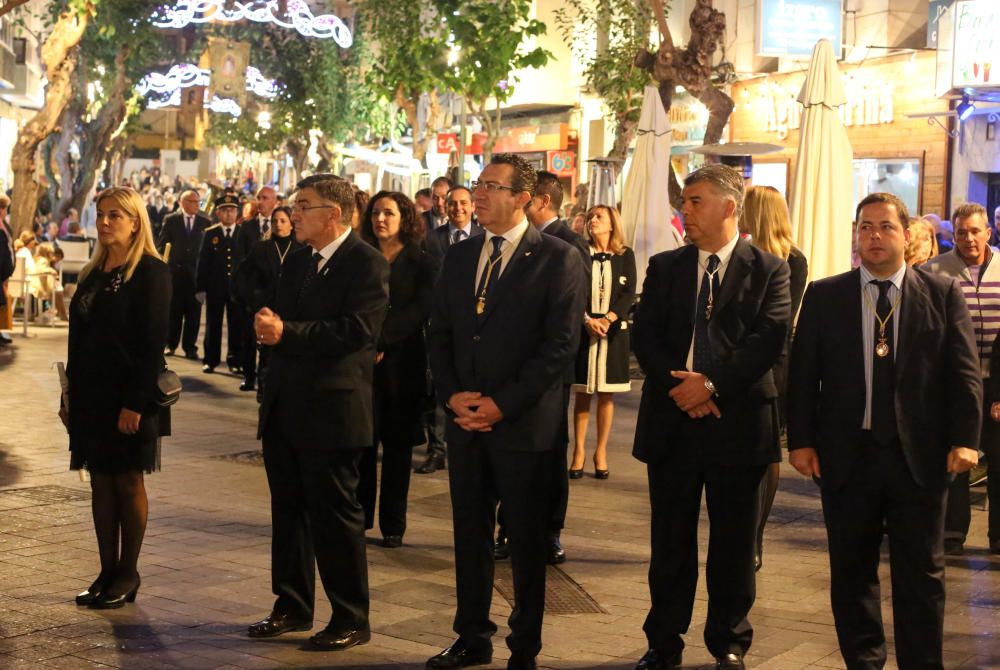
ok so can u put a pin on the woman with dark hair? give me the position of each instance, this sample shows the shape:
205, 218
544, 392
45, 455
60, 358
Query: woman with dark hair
602, 365
117, 333
361, 201
257, 277
391, 224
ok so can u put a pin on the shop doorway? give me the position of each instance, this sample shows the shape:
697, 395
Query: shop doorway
992, 196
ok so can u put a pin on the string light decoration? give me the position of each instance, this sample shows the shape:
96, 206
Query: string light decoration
297, 16
185, 75
216, 104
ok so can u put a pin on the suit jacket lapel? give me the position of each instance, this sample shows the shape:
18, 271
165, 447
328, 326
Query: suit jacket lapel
740, 265
522, 254
687, 284
330, 267
912, 306
855, 336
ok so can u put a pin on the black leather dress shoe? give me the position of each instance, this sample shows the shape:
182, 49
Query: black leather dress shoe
517, 662
460, 655
501, 548
191, 355
995, 547
168, 352
337, 640
432, 464
392, 541
207, 369
654, 660
557, 554
954, 547
92, 592
247, 386
275, 624
110, 601
729, 662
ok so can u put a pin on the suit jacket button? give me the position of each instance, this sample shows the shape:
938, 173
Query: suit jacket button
475, 338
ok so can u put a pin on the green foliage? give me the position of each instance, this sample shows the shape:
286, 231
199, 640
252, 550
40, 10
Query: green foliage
410, 40
609, 71
494, 39
321, 89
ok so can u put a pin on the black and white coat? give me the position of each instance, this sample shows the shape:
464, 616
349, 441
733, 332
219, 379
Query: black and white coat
602, 364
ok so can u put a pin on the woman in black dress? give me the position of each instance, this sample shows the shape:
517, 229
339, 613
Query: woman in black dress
765, 219
256, 281
391, 224
117, 333
603, 360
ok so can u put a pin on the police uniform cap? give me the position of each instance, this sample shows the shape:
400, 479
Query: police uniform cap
227, 200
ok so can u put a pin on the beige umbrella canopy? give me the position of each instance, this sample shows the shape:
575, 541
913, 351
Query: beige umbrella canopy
821, 203
646, 212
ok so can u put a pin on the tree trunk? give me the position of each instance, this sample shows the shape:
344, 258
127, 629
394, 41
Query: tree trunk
97, 134
64, 163
490, 125
624, 134
300, 157
409, 107
60, 54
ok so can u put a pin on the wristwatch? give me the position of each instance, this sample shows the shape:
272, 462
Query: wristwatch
710, 386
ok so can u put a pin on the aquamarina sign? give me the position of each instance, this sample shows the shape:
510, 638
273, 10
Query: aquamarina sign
791, 28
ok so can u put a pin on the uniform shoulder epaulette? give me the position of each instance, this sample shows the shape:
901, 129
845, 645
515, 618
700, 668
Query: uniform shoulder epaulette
213, 227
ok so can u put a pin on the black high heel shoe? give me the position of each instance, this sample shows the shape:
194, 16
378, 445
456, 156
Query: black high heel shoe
576, 474
600, 474
106, 601
92, 592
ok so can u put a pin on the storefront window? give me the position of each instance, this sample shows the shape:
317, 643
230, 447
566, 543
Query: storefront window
899, 176
772, 174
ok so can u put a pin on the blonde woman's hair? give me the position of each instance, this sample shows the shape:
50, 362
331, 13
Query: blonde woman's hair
617, 243
130, 202
917, 225
765, 218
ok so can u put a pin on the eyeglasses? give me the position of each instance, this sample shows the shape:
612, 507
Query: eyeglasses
305, 208
492, 186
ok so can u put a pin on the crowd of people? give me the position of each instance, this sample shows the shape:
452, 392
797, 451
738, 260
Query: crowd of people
477, 321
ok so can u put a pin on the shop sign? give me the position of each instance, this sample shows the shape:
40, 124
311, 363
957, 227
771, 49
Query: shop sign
523, 139
867, 105
792, 27
977, 44
562, 163
935, 10
447, 142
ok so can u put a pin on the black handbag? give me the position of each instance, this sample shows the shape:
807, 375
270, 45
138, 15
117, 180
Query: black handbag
168, 386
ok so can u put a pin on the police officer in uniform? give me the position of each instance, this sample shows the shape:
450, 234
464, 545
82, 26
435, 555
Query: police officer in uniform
215, 273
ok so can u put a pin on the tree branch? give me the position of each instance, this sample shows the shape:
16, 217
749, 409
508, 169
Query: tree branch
7, 6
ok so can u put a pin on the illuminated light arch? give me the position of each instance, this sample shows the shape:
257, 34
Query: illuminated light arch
185, 75
297, 16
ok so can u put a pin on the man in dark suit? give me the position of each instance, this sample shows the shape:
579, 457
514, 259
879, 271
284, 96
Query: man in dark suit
543, 214
437, 215
215, 278
184, 231
505, 324
711, 324
884, 399
460, 226
316, 415
250, 232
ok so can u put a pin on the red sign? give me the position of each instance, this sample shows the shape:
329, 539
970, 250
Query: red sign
447, 142
562, 163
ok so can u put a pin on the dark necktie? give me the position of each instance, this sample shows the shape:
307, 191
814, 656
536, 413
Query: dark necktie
457, 236
491, 274
228, 234
706, 297
189, 224
264, 224
883, 414
312, 270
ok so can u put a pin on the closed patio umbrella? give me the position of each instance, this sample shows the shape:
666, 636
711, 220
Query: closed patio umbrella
821, 204
646, 212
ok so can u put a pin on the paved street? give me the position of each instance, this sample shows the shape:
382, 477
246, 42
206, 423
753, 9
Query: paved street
205, 561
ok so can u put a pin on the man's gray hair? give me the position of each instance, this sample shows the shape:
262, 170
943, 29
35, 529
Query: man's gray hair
333, 188
727, 181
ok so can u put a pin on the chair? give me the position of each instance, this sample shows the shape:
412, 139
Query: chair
75, 256
19, 286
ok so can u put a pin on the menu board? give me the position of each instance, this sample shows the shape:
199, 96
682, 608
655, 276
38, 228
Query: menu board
977, 44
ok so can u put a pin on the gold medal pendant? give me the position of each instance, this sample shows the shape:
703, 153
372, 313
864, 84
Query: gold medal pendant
708, 308
882, 349
480, 305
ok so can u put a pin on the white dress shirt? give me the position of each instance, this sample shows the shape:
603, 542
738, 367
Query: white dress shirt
511, 239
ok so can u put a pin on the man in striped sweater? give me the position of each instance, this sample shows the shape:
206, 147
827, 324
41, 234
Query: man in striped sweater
972, 263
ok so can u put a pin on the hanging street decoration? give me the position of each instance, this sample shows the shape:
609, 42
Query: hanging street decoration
164, 90
297, 16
